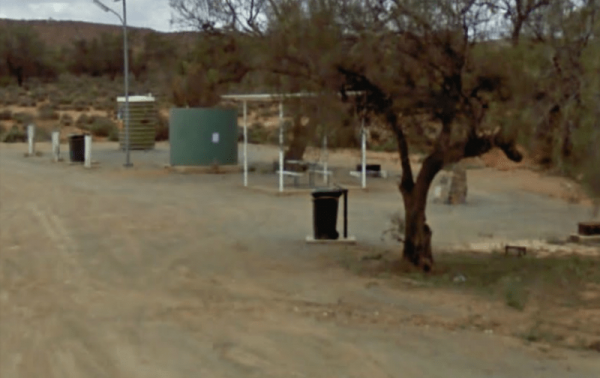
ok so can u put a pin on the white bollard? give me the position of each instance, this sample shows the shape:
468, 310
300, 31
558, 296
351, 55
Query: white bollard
56, 145
30, 139
437, 194
325, 160
88, 151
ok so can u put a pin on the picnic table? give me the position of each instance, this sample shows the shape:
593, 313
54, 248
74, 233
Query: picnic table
311, 167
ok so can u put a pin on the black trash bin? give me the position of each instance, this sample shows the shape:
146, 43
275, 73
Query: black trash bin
77, 147
325, 210
369, 167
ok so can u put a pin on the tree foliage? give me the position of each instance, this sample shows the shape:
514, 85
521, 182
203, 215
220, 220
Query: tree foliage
23, 55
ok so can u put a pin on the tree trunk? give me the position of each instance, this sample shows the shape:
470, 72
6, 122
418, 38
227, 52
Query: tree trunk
299, 140
417, 233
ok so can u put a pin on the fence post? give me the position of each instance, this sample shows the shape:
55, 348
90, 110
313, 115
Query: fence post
31, 139
88, 151
56, 145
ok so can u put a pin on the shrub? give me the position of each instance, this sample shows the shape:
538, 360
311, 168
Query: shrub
3, 129
258, 134
66, 120
80, 105
26, 102
65, 100
39, 95
42, 134
388, 145
162, 128
47, 112
23, 117
15, 135
83, 121
114, 135
5, 115
102, 127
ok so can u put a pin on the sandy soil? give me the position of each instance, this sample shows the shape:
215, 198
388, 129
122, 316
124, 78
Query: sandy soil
114, 273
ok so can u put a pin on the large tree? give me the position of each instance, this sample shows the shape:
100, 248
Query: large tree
23, 54
415, 63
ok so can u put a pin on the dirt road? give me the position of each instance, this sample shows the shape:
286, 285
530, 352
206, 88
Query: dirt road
112, 274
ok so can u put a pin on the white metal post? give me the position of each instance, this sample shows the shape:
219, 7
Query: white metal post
30, 139
88, 151
281, 146
56, 145
125, 73
363, 147
126, 78
326, 158
245, 144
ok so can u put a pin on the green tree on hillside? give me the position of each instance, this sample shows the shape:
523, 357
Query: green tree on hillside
24, 55
97, 57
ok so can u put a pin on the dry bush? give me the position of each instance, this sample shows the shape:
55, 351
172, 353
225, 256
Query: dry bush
66, 120
26, 102
22, 118
80, 105
102, 127
15, 135
47, 113
5, 115
162, 128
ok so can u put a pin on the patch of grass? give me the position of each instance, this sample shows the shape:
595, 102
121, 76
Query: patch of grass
515, 295
537, 333
513, 280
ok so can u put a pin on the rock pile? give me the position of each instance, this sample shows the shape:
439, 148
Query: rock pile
458, 186
452, 186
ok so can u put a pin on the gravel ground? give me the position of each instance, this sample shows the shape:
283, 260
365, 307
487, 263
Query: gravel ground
111, 272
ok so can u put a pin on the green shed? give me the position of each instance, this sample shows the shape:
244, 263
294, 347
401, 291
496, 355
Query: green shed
203, 136
143, 117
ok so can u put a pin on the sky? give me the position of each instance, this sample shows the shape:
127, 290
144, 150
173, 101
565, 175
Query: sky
153, 14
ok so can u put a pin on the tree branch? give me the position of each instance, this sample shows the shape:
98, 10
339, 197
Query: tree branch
479, 144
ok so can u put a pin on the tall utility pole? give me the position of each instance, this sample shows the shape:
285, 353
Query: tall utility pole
126, 71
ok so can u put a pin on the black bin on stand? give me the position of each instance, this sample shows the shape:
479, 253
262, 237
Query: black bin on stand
325, 211
77, 148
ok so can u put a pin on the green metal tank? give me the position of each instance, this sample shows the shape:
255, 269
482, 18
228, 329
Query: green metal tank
143, 118
203, 136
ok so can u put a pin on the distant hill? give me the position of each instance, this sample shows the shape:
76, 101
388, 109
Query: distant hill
62, 33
